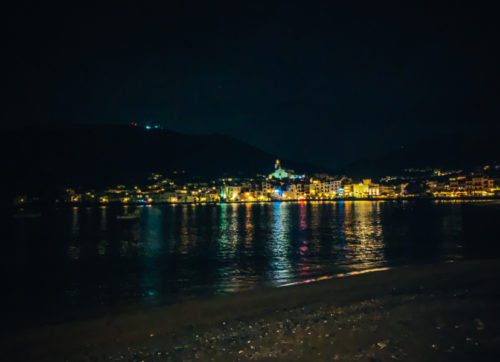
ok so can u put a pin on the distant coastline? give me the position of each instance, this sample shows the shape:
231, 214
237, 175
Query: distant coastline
309, 201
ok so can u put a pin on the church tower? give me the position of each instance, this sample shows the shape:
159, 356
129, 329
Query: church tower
277, 165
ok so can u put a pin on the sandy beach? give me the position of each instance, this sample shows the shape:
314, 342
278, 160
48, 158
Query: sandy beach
417, 313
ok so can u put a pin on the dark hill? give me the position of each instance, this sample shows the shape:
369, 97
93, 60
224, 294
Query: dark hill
52, 157
453, 151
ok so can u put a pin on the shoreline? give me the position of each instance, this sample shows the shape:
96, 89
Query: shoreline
306, 201
161, 329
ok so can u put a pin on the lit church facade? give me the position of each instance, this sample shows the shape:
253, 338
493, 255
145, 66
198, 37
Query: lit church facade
280, 173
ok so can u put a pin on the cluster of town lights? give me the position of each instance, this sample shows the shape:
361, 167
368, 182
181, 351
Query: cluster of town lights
281, 185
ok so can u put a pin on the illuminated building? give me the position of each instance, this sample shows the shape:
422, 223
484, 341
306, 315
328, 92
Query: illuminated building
280, 174
248, 196
332, 186
388, 191
402, 188
267, 187
70, 195
479, 185
230, 193
462, 185
360, 190
365, 189
165, 197
457, 186
277, 194
322, 186
347, 190
212, 195
314, 187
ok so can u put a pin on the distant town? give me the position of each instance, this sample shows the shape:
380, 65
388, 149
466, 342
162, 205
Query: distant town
282, 184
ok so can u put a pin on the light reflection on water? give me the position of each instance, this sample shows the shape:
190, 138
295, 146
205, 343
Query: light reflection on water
95, 258
364, 239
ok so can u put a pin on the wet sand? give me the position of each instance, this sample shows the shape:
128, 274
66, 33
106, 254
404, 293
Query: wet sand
441, 312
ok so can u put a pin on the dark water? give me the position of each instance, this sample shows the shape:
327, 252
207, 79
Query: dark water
85, 258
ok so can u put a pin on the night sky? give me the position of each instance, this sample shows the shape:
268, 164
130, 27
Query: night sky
307, 80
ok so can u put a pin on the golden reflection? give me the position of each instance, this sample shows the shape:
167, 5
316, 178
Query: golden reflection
229, 230
249, 227
302, 216
303, 267
315, 226
184, 231
74, 248
102, 246
340, 275
281, 268
363, 234
104, 217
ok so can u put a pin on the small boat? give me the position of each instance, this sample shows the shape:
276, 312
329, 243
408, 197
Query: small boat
132, 216
28, 215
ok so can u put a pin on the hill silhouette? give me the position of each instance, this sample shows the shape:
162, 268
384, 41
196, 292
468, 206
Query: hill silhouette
45, 159
40, 158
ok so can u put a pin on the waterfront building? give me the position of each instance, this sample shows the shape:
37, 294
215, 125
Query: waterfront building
457, 184
360, 190
167, 197
230, 192
365, 189
347, 190
479, 186
388, 190
294, 191
267, 186
315, 189
330, 186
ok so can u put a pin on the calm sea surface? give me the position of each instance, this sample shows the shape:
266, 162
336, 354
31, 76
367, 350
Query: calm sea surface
82, 258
